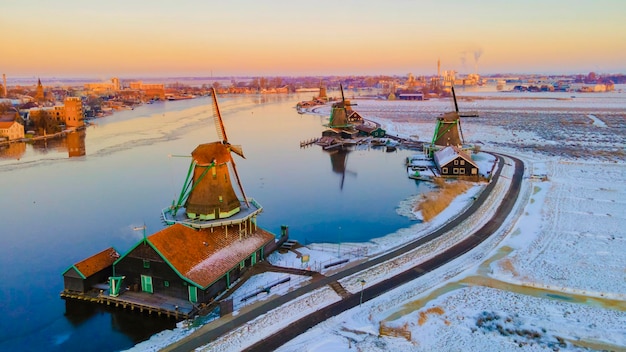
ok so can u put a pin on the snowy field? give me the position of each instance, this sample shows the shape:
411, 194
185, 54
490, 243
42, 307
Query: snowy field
553, 278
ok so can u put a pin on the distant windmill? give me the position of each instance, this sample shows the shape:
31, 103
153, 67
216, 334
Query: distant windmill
341, 113
207, 193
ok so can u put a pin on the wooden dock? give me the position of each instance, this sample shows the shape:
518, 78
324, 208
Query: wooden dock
308, 142
142, 302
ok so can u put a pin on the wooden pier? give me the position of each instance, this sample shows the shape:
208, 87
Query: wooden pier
308, 142
142, 302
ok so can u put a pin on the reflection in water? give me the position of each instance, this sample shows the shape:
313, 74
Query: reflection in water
13, 151
132, 324
339, 160
76, 144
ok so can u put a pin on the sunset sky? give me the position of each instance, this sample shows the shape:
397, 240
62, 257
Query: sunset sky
71, 38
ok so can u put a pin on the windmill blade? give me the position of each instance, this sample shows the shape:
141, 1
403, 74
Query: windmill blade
343, 99
237, 150
343, 178
461, 131
217, 117
456, 106
232, 161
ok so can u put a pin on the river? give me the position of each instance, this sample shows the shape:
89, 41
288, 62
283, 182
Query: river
64, 200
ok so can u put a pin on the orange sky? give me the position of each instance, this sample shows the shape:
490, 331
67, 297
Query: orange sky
283, 37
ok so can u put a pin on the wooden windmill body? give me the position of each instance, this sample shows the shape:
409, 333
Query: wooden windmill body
341, 113
213, 196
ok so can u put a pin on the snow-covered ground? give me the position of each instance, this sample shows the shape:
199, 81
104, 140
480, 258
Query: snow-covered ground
553, 278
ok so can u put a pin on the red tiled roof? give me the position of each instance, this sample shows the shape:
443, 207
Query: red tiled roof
97, 262
203, 256
6, 124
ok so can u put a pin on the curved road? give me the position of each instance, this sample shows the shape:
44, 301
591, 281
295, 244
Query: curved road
213, 330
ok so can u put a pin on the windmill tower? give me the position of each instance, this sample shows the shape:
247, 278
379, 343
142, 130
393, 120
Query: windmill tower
448, 129
208, 195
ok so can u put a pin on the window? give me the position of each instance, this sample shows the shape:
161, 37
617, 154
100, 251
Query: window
455, 170
242, 264
462, 162
462, 171
221, 200
166, 283
444, 170
456, 161
146, 264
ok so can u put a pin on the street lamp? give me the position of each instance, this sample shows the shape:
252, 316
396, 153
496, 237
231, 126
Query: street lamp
362, 286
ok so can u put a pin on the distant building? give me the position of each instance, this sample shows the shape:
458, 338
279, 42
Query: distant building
104, 87
411, 96
39, 93
11, 130
70, 113
151, 91
74, 115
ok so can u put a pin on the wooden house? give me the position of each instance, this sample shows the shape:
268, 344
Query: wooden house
192, 264
369, 130
84, 275
452, 161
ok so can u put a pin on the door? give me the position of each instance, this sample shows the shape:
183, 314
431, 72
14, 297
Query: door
146, 284
193, 293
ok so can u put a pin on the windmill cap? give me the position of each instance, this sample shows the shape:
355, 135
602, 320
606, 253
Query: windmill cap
205, 154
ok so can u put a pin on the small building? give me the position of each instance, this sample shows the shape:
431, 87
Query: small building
340, 133
411, 96
11, 130
192, 264
452, 161
84, 275
369, 130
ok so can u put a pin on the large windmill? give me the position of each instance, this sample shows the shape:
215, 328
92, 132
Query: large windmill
207, 192
448, 129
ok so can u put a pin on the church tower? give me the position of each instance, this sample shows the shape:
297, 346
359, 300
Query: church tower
39, 94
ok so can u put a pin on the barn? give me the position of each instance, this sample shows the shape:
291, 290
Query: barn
192, 264
86, 274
